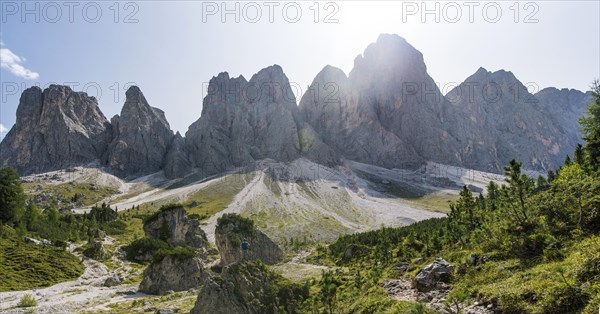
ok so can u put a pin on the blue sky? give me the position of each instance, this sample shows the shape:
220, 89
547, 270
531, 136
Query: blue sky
172, 49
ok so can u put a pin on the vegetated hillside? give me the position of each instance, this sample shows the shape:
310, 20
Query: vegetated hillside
527, 247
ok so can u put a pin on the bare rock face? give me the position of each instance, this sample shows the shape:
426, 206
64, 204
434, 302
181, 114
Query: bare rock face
55, 129
173, 226
177, 162
232, 230
141, 136
502, 120
388, 112
243, 121
173, 273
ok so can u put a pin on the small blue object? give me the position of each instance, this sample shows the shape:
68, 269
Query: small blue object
245, 245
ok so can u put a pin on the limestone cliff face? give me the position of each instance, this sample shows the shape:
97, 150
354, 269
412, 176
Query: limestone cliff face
231, 230
173, 273
141, 136
55, 129
173, 226
502, 120
177, 161
244, 121
388, 112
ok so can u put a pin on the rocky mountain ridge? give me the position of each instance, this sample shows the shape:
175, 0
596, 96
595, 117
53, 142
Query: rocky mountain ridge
388, 112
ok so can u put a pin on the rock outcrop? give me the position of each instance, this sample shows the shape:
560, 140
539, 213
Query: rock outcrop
55, 129
141, 137
244, 121
428, 278
173, 273
232, 230
173, 226
247, 288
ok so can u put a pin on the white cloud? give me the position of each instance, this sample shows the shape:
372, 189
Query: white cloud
12, 62
3, 131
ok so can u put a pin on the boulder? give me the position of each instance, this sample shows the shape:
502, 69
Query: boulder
173, 273
172, 225
428, 278
112, 280
232, 230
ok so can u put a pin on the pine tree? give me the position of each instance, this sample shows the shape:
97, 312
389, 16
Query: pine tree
579, 155
590, 127
12, 198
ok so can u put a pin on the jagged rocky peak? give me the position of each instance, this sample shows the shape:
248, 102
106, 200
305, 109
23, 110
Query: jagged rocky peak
244, 121
388, 112
142, 136
390, 57
503, 120
55, 129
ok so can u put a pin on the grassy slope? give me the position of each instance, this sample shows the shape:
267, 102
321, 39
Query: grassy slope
86, 193
26, 266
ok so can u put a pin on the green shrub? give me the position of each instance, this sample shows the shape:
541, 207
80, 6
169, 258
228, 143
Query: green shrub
164, 208
139, 249
242, 225
179, 252
27, 301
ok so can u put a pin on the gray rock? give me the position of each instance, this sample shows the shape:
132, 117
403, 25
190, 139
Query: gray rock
112, 280
434, 274
177, 163
174, 273
55, 129
244, 121
244, 288
141, 137
379, 115
231, 230
33, 241
173, 226
502, 120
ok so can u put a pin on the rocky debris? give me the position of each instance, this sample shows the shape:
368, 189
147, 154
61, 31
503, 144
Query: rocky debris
173, 226
403, 289
177, 162
246, 288
43, 242
433, 274
173, 272
142, 136
55, 129
232, 230
112, 280
401, 266
244, 121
